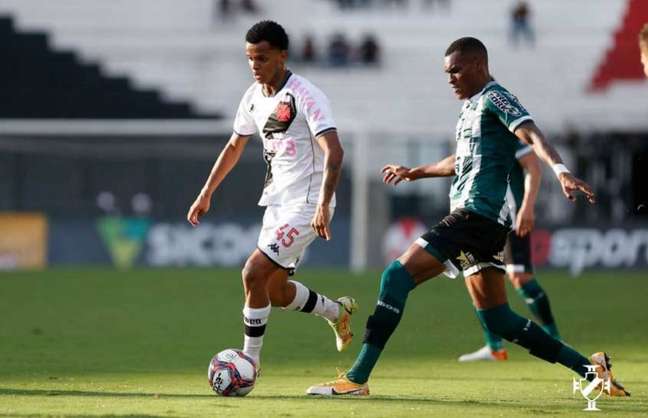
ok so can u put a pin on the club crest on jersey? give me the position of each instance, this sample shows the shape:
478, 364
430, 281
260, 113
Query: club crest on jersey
281, 118
284, 112
502, 103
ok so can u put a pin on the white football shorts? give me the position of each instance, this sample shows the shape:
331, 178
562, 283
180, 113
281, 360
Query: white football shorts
286, 233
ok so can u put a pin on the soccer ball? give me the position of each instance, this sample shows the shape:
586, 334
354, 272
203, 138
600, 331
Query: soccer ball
232, 373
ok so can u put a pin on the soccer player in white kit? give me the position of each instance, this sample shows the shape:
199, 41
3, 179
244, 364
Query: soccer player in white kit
304, 160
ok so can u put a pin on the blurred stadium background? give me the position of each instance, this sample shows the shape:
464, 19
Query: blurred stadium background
112, 113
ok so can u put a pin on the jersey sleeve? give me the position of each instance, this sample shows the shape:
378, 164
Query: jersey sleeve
317, 110
506, 108
244, 122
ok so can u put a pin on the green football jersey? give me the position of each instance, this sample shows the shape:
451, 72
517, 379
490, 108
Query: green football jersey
485, 154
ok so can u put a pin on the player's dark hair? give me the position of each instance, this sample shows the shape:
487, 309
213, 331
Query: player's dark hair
468, 45
269, 31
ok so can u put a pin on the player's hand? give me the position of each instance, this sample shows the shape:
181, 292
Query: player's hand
200, 207
570, 185
394, 174
525, 221
320, 222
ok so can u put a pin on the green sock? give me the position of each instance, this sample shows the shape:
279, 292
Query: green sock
494, 342
569, 357
505, 323
552, 330
395, 285
366, 360
538, 302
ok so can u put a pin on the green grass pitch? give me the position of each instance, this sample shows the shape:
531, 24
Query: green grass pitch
93, 342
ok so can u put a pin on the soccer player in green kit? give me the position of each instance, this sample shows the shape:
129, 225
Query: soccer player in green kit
521, 197
491, 124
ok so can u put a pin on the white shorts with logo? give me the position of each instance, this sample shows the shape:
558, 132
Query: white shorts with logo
286, 232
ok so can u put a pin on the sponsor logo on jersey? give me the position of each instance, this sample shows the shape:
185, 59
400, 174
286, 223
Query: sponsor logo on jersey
502, 103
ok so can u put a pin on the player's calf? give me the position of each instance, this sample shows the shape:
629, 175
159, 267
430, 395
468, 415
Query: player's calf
309, 301
502, 321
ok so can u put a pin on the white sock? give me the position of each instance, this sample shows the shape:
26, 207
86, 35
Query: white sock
306, 300
254, 320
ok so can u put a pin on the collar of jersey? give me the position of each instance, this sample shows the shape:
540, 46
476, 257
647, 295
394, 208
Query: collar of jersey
288, 75
478, 95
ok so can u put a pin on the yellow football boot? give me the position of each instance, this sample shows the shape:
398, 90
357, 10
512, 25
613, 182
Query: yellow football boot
604, 371
340, 386
342, 327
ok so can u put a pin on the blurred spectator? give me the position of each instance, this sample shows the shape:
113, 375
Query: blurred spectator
249, 6
364, 4
520, 25
223, 10
142, 204
309, 52
369, 50
436, 4
107, 203
339, 51
398, 3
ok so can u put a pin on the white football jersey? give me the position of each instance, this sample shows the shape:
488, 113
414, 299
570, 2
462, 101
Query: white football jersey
288, 123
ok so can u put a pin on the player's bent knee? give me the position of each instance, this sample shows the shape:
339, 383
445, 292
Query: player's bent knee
252, 280
395, 280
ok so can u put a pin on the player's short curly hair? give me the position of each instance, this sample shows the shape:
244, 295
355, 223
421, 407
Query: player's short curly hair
269, 31
643, 36
468, 45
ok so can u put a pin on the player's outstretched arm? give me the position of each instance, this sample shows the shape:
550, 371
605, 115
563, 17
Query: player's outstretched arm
530, 134
525, 220
227, 159
333, 156
394, 174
